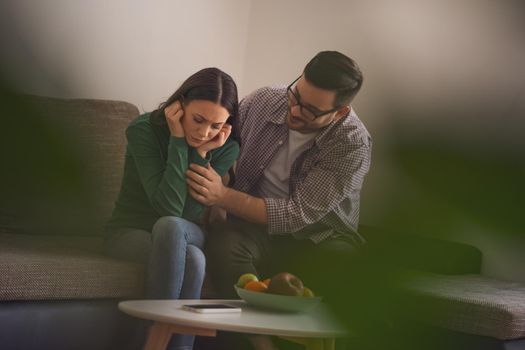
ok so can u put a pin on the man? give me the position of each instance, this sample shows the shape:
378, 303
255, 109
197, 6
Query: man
304, 156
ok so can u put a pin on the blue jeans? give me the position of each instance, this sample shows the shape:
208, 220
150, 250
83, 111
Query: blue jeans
173, 255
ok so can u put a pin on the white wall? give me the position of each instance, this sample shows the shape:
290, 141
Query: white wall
419, 52
138, 51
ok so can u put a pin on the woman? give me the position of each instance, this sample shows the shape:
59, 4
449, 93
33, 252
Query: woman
155, 220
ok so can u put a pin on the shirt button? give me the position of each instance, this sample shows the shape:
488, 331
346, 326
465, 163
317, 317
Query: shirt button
280, 142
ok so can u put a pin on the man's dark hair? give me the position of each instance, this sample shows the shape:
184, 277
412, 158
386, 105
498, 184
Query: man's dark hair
331, 70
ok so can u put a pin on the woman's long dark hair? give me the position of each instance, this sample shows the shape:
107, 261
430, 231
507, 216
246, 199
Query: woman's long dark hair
209, 84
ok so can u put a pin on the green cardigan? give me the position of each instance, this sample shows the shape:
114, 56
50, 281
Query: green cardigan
154, 181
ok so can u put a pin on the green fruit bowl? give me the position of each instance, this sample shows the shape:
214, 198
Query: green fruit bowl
278, 302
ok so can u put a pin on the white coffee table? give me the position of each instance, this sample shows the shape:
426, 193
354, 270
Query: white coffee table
316, 329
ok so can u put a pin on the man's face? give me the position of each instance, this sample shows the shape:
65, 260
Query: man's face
305, 101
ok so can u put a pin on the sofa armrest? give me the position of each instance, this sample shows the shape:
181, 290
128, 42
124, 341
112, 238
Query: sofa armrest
422, 253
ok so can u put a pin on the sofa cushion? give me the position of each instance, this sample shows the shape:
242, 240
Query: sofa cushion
58, 268
472, 304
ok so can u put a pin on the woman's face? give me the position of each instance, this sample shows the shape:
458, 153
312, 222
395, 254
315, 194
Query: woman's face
202, 121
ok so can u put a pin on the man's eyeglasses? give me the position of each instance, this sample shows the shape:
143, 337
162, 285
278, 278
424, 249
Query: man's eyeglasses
294, 100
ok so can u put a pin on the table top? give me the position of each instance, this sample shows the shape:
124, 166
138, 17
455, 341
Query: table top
316, 323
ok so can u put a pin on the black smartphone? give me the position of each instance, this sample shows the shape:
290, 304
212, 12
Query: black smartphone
212, 308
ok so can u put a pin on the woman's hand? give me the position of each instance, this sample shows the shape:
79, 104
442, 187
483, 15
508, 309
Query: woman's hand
216, 142
174, 114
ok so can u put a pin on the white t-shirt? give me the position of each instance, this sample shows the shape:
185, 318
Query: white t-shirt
274, 182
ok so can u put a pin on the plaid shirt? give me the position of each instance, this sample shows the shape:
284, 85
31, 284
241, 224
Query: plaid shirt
325, 180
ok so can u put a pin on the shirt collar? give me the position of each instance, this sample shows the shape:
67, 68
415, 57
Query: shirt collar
327, 133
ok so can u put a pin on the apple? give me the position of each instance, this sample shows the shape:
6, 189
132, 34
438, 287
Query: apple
285, 283
245, 278
307, 292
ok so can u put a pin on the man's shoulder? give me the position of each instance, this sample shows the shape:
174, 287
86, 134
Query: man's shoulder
357, 129
351, 133
263, 105
264, 95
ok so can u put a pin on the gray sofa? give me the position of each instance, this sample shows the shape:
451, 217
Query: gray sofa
57, 289
438, 298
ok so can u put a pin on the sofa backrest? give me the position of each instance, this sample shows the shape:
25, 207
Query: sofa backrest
73, 155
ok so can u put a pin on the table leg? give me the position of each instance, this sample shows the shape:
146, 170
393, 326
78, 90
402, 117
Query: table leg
160, 333
314, 343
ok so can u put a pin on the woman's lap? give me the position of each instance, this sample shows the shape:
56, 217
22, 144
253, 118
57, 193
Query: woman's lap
135, 244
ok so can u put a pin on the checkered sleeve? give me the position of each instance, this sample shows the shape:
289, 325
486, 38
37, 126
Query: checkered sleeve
338, 176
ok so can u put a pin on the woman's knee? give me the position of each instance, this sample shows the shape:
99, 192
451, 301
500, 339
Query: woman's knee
175, 229
168, 228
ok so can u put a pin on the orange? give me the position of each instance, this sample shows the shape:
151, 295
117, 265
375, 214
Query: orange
266, 282
256, 286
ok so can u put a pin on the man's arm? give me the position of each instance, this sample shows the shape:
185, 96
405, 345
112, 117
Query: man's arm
221, 160
335, 179
249, 208
206, 186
